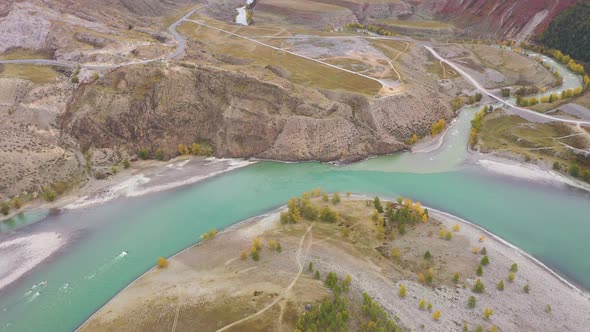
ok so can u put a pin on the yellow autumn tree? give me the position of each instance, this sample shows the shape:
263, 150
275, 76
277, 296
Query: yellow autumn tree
487, 313
436, 315
162, 263
421, 278
402, 291
413, 140
257, 243
438, 127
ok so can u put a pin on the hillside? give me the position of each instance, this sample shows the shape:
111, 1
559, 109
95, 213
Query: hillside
569, 32
510, 18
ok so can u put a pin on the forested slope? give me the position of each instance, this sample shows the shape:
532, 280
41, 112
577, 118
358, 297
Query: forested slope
570, 32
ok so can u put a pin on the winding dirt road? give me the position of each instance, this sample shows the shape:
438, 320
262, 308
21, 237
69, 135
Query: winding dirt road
487, 92
298, 258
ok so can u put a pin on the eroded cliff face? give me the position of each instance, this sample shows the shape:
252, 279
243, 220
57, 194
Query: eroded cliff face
499, 18
157, 107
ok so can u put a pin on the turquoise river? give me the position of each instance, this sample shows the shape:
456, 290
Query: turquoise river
111, 244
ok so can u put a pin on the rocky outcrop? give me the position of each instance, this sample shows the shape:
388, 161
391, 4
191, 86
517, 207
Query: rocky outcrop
153, 107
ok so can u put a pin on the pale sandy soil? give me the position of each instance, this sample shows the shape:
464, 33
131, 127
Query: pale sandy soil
21, 254
208, 286
143, 177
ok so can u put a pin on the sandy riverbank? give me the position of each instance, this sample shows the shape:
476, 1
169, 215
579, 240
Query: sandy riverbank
203, 282
22, 251
21, 254
143, 177
515, 168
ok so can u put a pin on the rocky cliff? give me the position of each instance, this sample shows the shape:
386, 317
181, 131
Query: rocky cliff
156, 107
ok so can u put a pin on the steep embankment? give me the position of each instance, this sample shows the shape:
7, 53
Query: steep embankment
67, 27
509, 18
155, 107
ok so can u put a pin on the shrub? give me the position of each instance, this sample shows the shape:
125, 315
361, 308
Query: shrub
143, 154
471, 302
162, 262
255, 255
126, 164
514, 268
475, 250
438, 127
346, 282
487, 313
257, 243
17, 203
75, 80
429, 275
448, 236
436, 315
456, 277
526, 289
574, 170
244, 255
159, 154
478, 287
511, 276
325, 197
427, 255
485, 260
479, 270
316, 192
310, 267
421, 278
331, 280
335, 198
4, 208
402, 291
272, 244
456, 227
441, 233
377, 204
429, 306
501, 285
548, 308
328, 215
317, 275
395, 253
484, 251
49, 194
422, 304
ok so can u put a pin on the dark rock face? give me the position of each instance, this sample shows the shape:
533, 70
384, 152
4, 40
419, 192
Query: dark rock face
152, 107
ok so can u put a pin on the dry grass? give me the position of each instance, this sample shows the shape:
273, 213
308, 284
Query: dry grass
442, 70
422, 25
514, 134
518, 69
22, 53
33, 73
302, 71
